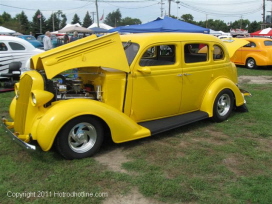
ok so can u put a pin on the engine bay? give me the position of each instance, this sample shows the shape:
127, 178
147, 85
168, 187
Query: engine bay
66, 87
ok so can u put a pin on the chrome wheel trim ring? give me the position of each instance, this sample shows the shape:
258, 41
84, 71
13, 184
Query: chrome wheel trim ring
223, 104
82, 137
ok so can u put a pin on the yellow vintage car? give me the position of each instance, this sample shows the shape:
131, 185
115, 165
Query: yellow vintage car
258, 52
127, 86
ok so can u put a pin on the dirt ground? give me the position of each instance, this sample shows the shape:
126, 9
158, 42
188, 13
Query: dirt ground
113, 159
255, 79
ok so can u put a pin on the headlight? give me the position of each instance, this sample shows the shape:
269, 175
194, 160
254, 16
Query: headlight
39, 97
33, 97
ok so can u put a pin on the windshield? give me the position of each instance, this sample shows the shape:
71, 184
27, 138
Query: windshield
131, 50
30, 38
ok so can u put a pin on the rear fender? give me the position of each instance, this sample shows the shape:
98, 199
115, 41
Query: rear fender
214, 89
261, 60
122, 127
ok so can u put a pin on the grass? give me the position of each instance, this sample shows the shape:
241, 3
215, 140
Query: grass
266, 71
205, 162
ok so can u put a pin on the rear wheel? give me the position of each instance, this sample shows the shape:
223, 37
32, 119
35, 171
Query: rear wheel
223, 105
251, 63
79, 138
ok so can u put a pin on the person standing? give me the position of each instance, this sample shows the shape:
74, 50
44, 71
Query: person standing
74, 37
66, 38
47, 44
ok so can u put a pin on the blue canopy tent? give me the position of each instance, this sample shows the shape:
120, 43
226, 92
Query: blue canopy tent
166, 24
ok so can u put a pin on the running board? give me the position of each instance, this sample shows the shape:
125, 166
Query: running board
164, 124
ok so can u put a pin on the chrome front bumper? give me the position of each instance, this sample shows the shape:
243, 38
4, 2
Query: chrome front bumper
16, 139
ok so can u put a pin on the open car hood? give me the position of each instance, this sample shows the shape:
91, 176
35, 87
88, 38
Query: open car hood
106, 51
234, 44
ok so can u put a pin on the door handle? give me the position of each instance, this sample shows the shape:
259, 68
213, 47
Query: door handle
187, 74
179, 75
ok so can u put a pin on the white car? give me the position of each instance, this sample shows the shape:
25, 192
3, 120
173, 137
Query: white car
14, 49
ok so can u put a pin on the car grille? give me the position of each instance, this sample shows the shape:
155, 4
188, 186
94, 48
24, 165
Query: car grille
22, 103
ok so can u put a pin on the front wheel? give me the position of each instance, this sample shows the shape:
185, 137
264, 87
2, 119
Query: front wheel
223, 105
79, 138
251, 63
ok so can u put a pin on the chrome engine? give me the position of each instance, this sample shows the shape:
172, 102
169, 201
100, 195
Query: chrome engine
67, 88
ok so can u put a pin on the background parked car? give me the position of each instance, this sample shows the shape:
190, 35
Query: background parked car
32, 40
258, 52
54, 40
15, 49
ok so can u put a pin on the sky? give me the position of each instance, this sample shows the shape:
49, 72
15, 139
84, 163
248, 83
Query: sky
145, 10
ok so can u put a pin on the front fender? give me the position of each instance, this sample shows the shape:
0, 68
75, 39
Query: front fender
121, 126
213, 91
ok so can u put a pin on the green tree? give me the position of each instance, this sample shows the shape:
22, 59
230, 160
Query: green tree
87, 21
130, 21
76, 19
7, 21
53, 22
6, 17
187, 18
1, 20
63, 22
38, 23
254, 26
23, 22
216, 25
114, 18
242, 23
59, 17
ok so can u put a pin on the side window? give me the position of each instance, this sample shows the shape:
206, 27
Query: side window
131, 49
159, 55
251, 44
196, 52
268, 43
3, 47
218, 53
16, 46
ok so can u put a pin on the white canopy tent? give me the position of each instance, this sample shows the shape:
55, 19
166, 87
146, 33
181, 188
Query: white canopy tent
6, 31
70, 25
101, 25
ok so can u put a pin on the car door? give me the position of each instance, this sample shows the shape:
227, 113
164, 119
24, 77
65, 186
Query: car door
156, 83
244, 51
196, 73
5, 56
19, 52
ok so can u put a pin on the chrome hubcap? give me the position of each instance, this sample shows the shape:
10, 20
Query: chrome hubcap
223, 105
250, 63
82, 137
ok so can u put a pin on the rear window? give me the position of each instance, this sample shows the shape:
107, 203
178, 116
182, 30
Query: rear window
268, 43
196, 52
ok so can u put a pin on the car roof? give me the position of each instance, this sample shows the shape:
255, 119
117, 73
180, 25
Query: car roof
19, 40
258, 39
150, 38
